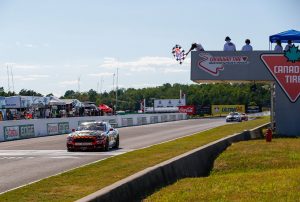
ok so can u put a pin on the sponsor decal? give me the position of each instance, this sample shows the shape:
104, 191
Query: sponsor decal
52, 128
214, 64
11, 133
63, 127
190, 109
253, 109
285, 68
225, 109
58, 128
27, 131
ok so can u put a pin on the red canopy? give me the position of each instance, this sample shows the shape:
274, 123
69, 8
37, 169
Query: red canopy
105, 108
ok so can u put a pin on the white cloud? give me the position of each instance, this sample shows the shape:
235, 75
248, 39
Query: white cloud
141, 64
28, 45
39, 76
71, 82
101, 74
67, 65
82, 66
30, 77
144, 64
27, 79
45, 45
20, 66
174, 70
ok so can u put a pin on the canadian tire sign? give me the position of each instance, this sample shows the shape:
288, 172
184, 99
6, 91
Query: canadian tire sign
285, 68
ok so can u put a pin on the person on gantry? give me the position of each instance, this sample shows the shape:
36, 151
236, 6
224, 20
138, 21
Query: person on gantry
196, 46
247, 46
288, 45
278, 47
229, 46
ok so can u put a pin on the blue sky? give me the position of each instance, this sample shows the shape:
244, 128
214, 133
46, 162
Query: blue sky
49, 44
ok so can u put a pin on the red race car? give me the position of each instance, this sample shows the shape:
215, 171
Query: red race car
244, 117
93, 136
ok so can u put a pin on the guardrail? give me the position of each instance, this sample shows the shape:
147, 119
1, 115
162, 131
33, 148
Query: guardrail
21, 129
195, 163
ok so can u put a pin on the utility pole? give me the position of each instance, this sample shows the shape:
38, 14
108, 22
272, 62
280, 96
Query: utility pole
12, 78
78, 82
114, 106
8, 86
101, 84
117, 88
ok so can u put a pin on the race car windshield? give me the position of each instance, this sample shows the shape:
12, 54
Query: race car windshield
91, 127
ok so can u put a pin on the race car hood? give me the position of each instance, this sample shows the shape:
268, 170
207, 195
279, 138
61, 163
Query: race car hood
83, 133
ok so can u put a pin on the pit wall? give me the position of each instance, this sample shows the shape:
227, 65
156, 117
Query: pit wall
195, 163
21, 129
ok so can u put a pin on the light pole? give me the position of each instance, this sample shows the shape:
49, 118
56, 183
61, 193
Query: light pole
117, 88
153, 99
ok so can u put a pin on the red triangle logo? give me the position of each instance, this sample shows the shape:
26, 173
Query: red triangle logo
287, 74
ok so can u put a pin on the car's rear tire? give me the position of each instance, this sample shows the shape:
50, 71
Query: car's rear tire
117, 143
106, 147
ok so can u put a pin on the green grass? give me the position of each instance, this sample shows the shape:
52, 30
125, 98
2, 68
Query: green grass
80, 182
246, 171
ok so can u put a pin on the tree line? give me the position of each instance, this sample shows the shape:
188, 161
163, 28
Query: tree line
196, 94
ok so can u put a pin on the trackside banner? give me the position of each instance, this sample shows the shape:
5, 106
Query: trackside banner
189, 109
285, 68
225, 109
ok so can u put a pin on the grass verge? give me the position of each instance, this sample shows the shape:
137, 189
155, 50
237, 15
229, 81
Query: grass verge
83, 181
246, 171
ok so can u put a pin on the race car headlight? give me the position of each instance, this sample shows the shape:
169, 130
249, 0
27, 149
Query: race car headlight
101, 137
69, 139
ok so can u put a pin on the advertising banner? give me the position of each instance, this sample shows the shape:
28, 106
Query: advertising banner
13, 102
169, 103
220, 66
25, 101
2, 102
58, 128
40, 101
27, 131
63, 128
203, 109
253, 109
52, 128
11, 133
225, 109
285, 68
189, 109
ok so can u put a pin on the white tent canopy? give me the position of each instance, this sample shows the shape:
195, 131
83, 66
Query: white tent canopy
56, 101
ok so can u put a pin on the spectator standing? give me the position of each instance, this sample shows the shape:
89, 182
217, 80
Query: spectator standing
196, 46
229, 46
278, 47
247, 46
288, 45
47, 113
